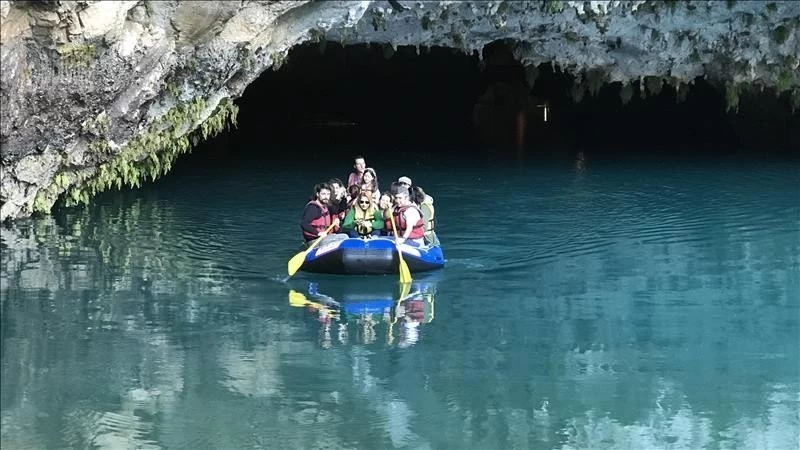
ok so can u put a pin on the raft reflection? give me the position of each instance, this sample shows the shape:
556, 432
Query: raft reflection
369, 316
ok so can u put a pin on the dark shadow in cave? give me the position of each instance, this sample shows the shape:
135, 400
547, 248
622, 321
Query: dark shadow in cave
333, 102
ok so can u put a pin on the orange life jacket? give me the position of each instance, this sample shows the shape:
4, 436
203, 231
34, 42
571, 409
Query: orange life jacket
417, 230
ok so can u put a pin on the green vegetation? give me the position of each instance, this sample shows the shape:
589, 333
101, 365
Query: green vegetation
279, 59
426, 22
780, 34
655, 35
149, 154
97, 126
694, 56
75, 55
553, 6
785, 80
571, 36
732, 96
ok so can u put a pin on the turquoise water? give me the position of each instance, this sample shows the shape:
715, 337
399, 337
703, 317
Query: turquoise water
635, 304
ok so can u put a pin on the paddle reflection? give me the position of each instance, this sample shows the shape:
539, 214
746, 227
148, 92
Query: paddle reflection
364, 315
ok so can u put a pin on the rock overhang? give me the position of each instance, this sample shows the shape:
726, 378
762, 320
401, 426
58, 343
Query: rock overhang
88, 80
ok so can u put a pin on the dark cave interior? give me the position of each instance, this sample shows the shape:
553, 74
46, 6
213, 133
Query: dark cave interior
332, 100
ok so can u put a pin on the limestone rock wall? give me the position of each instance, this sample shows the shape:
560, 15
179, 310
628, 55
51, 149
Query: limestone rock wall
98, 94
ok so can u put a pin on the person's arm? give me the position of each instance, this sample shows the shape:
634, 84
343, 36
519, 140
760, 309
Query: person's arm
377, 220
311, 212
412, 217
353, 179
349, 220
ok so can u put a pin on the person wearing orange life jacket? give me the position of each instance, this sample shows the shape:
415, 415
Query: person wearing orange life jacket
408, 220
316, 217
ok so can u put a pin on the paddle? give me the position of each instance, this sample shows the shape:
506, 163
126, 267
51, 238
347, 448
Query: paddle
299, 300
405, 292
405, 274
297, 260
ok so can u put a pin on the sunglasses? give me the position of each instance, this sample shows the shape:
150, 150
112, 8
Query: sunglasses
363, 203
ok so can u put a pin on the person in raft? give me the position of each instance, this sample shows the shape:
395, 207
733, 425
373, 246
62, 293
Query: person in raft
355, 178
408, 220
363, 219
316, 216
338, 205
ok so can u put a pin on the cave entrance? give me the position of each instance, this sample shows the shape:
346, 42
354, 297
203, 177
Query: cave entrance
336, 101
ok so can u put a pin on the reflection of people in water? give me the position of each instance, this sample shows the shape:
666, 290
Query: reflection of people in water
401, 317
410, 312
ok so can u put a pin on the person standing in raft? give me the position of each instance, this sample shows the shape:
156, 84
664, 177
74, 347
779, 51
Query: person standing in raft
408, 220
316, 216
355, 177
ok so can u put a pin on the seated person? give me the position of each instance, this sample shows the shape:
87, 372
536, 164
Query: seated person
386, 208
425, 203
369, 182
352, 195
363, 219
359, 164
316, 217
338, 204
408, 220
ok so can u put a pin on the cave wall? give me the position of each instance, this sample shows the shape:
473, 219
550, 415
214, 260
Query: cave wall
99, 95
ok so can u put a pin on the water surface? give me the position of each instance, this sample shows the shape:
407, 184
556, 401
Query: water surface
635, 304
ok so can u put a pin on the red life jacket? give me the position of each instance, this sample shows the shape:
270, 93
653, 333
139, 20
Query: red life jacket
387, 223
418, 230
321, 223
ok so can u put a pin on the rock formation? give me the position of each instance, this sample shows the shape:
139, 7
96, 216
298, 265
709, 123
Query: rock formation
101, 94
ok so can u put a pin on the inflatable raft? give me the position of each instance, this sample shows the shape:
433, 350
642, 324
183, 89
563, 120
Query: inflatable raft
339, 254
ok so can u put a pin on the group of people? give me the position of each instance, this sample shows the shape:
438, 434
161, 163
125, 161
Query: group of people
361, 210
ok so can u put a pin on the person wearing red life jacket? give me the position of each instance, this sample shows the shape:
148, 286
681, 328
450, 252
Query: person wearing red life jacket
408, 220
316, 216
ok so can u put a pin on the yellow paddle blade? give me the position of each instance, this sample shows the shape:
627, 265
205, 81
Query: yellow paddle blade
405, 273
297, 299
296, 262
405, 289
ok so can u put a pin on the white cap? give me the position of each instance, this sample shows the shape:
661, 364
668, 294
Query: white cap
405, 180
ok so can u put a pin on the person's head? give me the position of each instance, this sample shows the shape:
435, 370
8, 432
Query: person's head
322, 191
337, 188
385, 201
364, 201
353, 191
360, 164
369, 176
401, 198
405, 182
417, 195
395, 188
